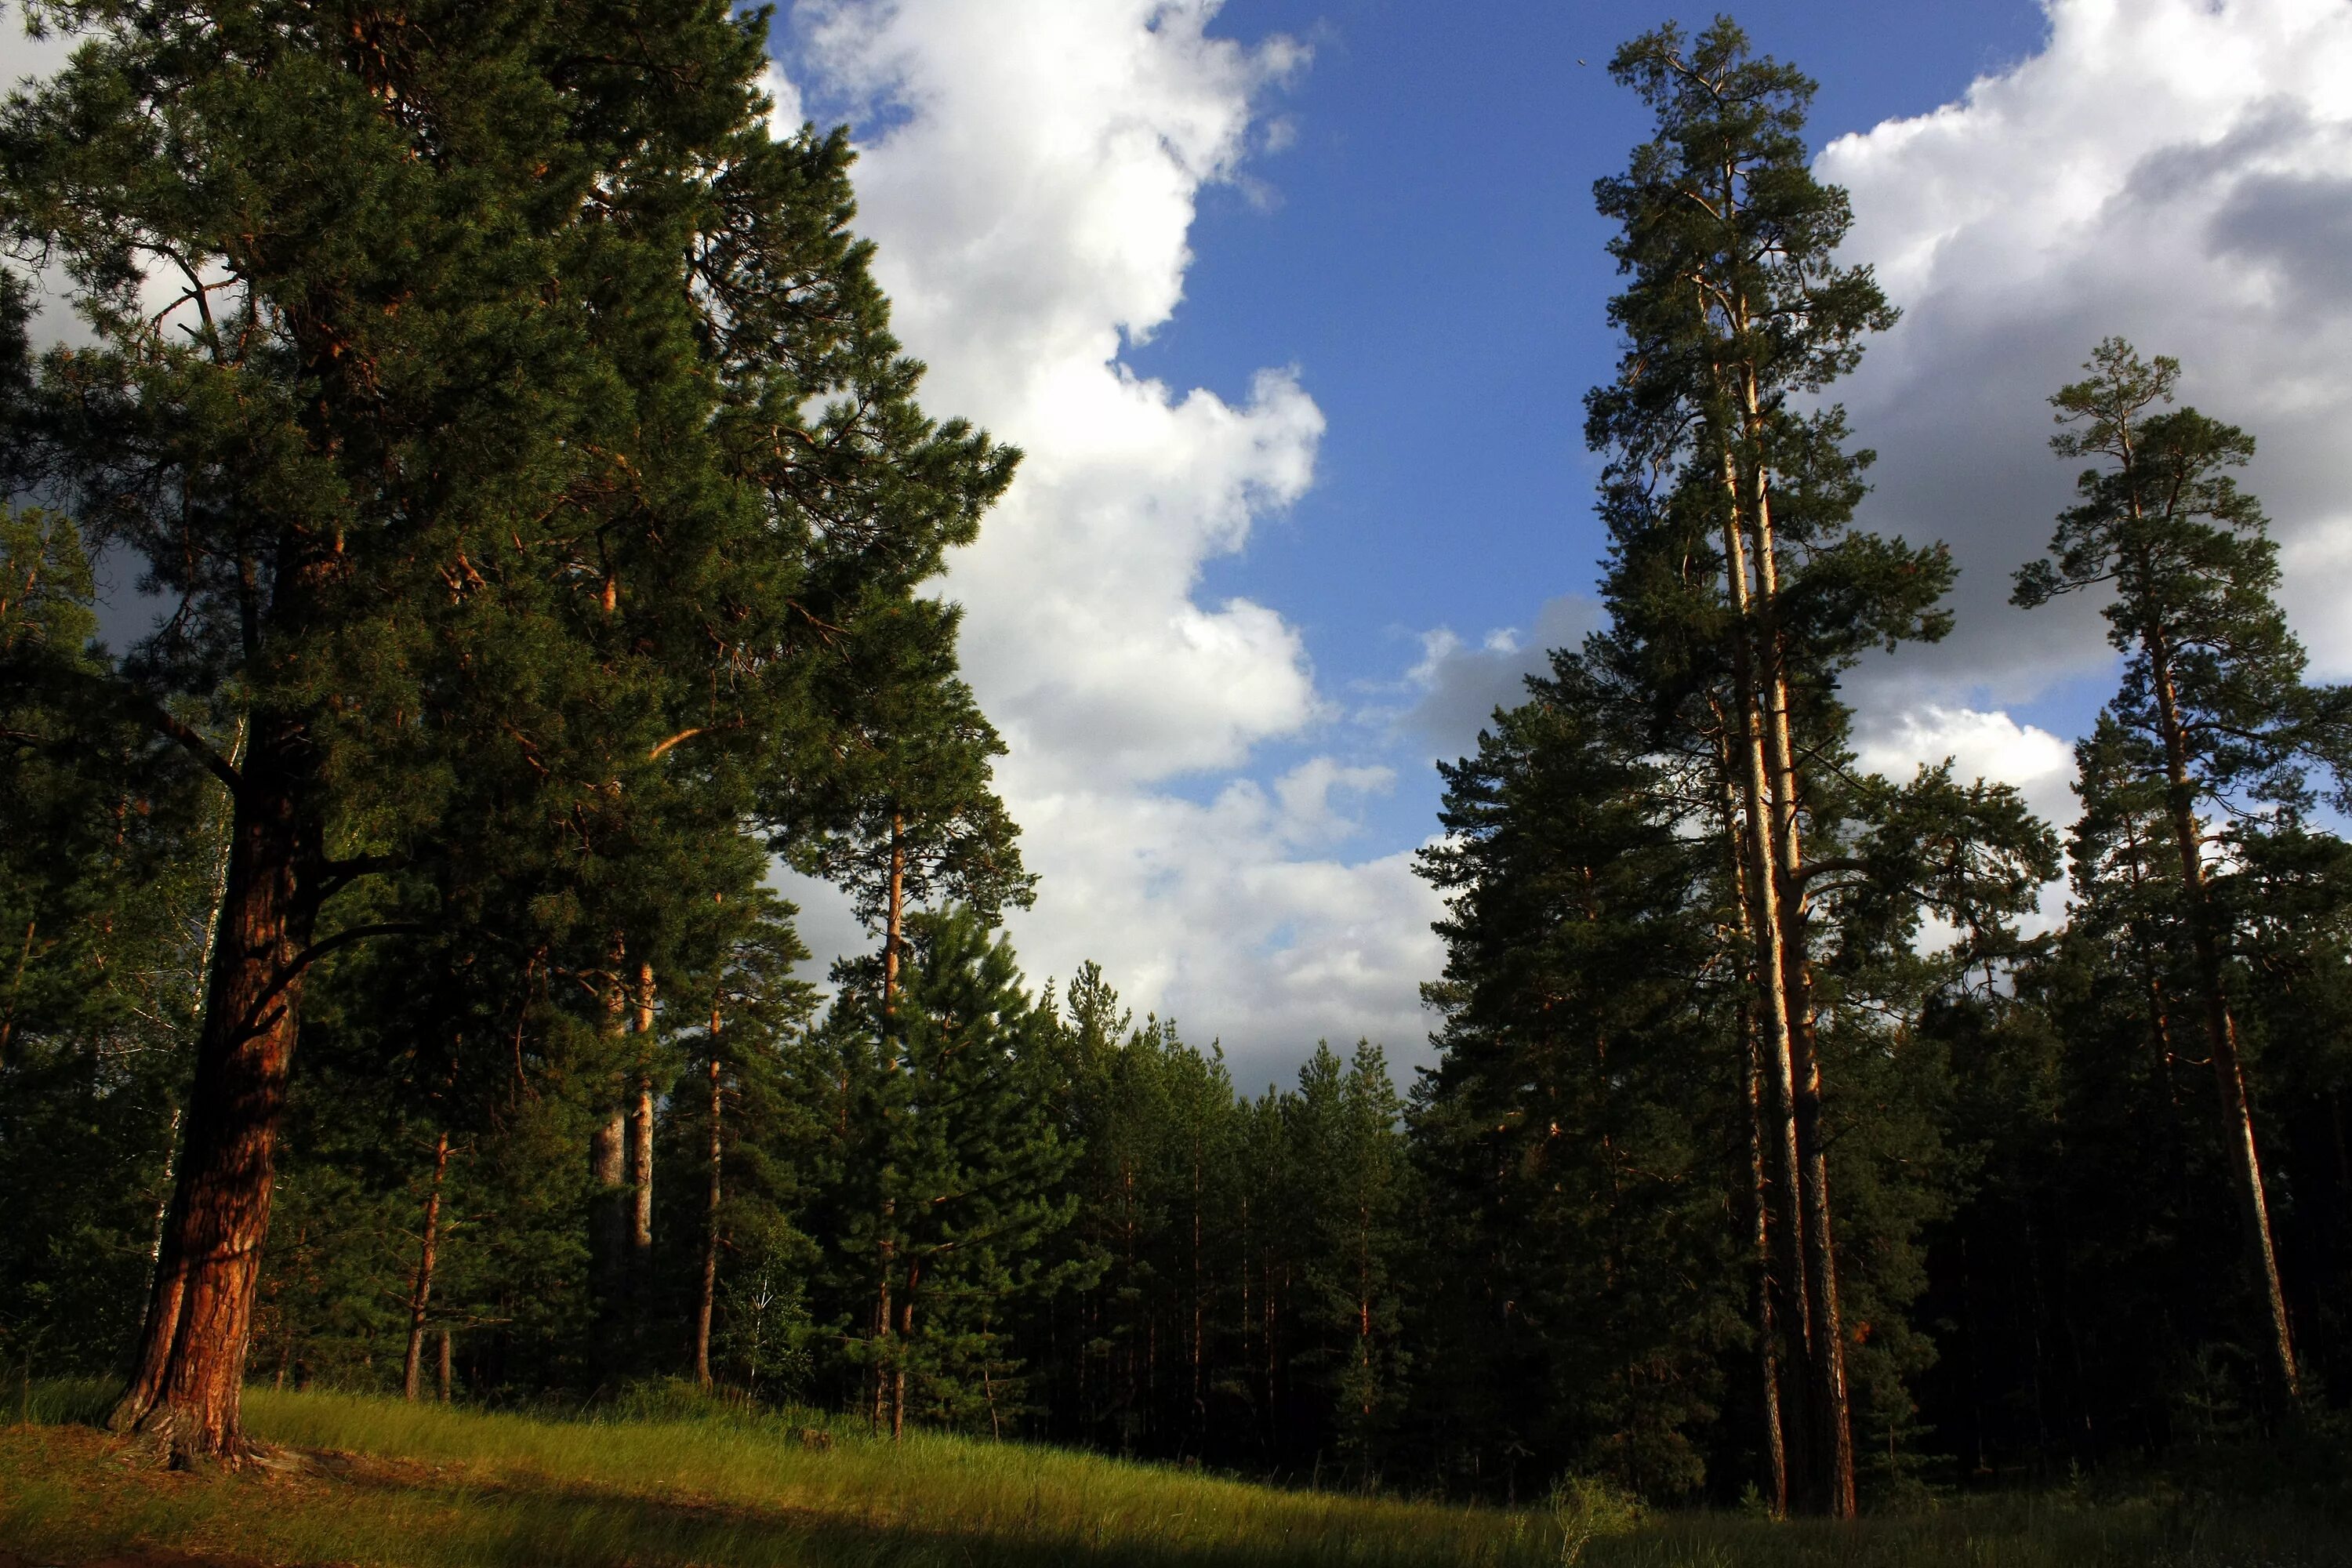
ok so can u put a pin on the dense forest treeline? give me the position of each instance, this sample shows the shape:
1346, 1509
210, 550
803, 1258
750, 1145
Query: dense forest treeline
506, 428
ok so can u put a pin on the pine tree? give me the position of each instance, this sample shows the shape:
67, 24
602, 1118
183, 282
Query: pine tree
907, 816
949, 1190
750, 1187
523, 438
1736, 308
2213, 708
1346, 1127
1576, 1130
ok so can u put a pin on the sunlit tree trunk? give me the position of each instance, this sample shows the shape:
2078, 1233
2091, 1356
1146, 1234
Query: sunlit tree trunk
190, 1361
420, 1296
1832, 1412
1760, 1186
1758, 870
711, 1223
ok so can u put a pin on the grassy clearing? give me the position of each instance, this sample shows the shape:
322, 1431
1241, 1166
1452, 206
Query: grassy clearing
424, 1487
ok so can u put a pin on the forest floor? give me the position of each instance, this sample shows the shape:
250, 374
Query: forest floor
374, 1481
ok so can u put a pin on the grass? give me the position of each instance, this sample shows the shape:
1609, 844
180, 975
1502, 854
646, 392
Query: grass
426, 1486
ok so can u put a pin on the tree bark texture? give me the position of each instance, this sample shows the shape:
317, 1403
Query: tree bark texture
1813, 1473
190, 1362
420, 1297
641, 1148
1771, 1279
893, 920
1832, 1400
1776, 1449
710, 1294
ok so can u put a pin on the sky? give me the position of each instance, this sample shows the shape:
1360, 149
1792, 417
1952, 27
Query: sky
1292, 306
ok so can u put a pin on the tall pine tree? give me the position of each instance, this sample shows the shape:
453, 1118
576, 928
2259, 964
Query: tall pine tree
2213, 713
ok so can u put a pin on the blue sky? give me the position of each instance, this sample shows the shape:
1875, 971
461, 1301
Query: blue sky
1427, 253
1293, 306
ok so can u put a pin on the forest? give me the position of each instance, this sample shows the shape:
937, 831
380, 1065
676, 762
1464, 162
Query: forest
538, 536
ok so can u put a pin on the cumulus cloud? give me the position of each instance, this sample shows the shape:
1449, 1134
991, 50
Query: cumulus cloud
2172, 171
1457, 685
1031, 196
1235, 917
1980, 744
1030, 189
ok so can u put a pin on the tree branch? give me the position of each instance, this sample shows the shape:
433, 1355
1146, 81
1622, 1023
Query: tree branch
205, 751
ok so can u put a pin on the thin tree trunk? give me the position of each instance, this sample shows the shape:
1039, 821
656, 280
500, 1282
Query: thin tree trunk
883, 1350
2222, 1028
609, 1217
898, 1371
420, 1297
710, 1224
894, 918
1776, 1451
1199, 1309
444, 1359
1818, 1475
190, 1362
164, 1203
1760, 1184
1833, 1411
641, 1141
893, 921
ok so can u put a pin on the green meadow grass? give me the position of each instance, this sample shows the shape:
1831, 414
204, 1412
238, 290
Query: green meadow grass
425, 1486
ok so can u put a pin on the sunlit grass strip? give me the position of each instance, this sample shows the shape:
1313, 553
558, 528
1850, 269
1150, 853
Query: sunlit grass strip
457, 1489
930, 1483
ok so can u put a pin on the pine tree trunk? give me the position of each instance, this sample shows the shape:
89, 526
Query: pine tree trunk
609, 1206
898, 1371
1198, 1347
641, 1145
444, 1371
1760, 1184
2222, 1028
1832, 1406
420, 1297
190, 1361
1768, 1356
892, 925
882, 1346
1758, 868
894, 918
711, 1224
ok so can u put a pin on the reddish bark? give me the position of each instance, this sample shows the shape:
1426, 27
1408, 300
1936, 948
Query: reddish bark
420, 1297
190, 1365
711, 1223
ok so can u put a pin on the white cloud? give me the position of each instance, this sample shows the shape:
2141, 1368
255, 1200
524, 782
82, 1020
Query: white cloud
786, 113
2178, 172
1031, 200
1031, 191
1227, 917
1980, 744
1457, 687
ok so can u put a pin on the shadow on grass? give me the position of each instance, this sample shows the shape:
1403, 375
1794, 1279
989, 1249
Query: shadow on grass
66, 1495
449, 1490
